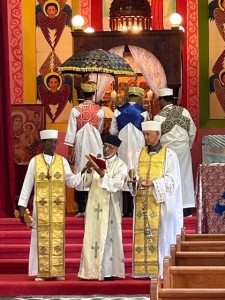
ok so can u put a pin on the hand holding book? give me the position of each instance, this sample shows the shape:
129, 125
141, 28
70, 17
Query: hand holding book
97, 162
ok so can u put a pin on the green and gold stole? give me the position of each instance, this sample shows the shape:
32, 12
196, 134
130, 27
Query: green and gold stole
50, 211
147, 215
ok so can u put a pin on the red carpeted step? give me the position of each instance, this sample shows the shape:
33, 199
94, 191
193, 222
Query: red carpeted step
12, 251
189, 223
17, 285
20, 266
72, 237
72, 223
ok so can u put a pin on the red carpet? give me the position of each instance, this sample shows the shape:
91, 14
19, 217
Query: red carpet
14, 251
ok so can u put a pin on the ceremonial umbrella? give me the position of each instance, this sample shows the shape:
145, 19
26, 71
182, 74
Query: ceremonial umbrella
96, 61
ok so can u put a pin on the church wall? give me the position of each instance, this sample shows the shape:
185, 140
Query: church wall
24, 60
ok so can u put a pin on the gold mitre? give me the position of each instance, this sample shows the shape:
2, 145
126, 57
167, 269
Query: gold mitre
89, 86
135, 90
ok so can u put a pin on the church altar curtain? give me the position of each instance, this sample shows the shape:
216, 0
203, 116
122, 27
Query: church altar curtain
103, 80
117, 50
150, 67
7, 170
157, 12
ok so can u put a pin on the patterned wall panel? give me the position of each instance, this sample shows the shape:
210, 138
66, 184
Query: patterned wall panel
16, 51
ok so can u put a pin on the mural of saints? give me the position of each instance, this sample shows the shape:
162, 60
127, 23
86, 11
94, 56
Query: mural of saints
54, 91
52, 16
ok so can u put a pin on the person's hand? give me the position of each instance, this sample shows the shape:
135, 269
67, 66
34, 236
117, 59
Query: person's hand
132, 174
100, 171
88, 167
146, 183
71, 155
71, 159
21, 214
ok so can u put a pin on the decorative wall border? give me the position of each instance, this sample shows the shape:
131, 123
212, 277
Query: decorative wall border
15, 50
85, 11
193, 60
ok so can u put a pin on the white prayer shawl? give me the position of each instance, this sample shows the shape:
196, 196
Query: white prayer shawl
102, 253
132, 140
168, 192
71, 181
181, 141
86, 140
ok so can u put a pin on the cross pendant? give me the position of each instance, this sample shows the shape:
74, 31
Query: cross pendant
48, 176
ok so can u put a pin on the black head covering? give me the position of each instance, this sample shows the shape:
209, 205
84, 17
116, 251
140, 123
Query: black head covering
112, 140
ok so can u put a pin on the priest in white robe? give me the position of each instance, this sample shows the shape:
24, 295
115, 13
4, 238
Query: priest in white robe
126, 124
156, 183
83, 136
102, 254
178, 132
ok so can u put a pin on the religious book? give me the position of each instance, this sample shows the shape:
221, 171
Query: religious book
97, 161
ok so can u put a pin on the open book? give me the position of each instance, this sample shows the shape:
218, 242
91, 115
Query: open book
100, 162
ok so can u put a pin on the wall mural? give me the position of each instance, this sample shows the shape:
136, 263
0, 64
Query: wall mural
217, 58
54, 44
27, 121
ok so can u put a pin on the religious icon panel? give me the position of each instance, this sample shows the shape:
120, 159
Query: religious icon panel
27, 121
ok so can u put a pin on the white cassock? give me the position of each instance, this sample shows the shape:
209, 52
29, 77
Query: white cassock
181, 141
86, 140
168, 192
72, 181
132, 139
102, 253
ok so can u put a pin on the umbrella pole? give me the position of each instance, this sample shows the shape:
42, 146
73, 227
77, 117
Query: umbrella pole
96, 89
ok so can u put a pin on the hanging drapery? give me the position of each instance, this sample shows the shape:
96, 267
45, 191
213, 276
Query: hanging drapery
7, 183
103, 81
149, 65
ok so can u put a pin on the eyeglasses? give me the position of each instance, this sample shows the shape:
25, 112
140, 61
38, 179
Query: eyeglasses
110, 147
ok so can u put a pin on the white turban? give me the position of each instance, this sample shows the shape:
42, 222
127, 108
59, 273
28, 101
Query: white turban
49, 134
165, 92
151, 126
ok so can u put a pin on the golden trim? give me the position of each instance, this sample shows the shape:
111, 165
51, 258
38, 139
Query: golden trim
93, 69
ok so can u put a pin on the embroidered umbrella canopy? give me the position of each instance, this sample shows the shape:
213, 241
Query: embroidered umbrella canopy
96, 61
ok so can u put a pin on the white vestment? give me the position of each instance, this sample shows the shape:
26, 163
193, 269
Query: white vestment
181, 140
86, 140
168, 192
132, 139
102, 253
72, 181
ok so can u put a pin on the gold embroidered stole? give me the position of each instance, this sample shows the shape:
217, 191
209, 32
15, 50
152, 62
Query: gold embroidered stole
147, 216
50, 210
